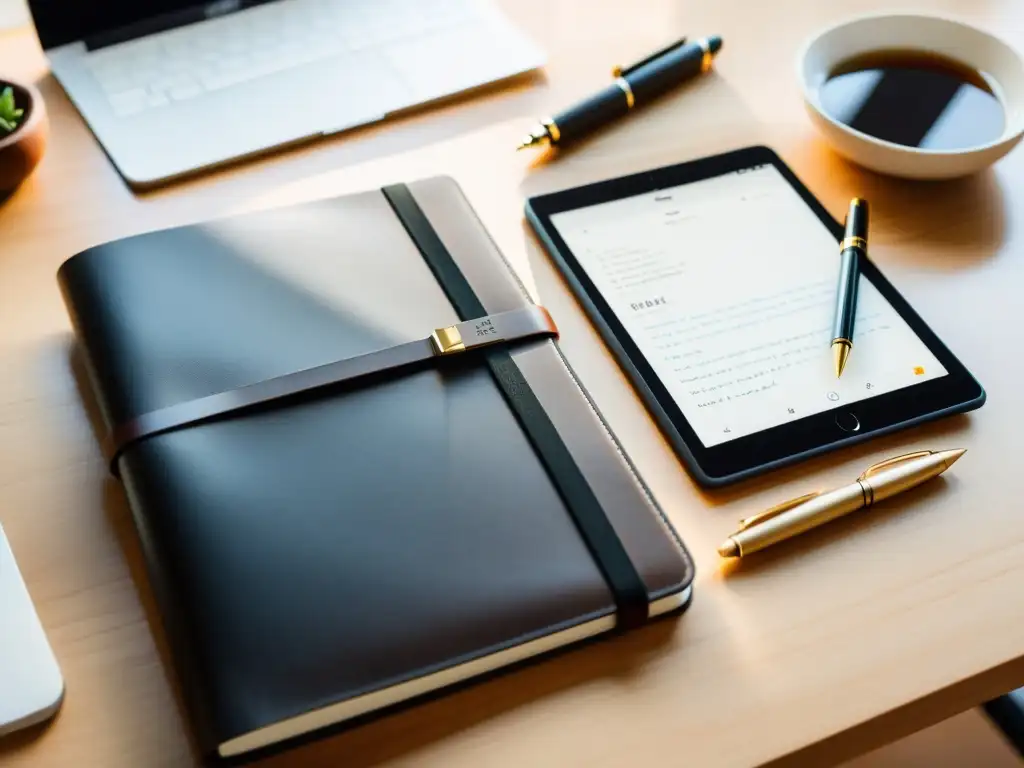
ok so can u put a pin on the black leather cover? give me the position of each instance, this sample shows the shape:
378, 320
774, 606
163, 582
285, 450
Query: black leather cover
311, 553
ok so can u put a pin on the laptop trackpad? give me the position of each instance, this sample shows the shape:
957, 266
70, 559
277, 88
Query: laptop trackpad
361, 88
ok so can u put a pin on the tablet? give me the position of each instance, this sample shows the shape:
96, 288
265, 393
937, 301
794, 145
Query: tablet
713, 282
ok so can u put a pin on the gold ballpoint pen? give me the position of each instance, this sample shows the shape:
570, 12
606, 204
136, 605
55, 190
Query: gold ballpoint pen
880, 481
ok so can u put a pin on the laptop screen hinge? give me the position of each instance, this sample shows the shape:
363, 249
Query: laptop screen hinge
180, 18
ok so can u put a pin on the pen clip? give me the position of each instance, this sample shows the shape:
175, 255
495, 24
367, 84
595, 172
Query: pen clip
888, 463
778, 509
618, 71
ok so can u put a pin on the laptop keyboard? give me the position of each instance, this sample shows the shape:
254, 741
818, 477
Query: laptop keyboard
187, 62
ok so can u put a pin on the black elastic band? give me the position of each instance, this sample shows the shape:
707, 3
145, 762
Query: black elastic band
612, 559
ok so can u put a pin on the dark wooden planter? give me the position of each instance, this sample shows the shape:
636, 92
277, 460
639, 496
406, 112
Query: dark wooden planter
21, 151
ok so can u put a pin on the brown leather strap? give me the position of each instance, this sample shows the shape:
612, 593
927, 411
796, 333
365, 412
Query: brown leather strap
514, 325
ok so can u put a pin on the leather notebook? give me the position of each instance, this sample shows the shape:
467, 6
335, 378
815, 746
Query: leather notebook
359, 466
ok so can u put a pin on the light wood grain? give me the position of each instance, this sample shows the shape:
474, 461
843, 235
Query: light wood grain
853, 636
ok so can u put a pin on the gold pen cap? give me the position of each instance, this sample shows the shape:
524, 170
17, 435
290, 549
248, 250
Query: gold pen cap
856, 225
901, 473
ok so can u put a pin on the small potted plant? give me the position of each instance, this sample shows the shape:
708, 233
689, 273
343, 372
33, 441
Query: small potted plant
23, 129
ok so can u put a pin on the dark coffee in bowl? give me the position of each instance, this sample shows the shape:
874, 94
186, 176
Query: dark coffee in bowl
914, 98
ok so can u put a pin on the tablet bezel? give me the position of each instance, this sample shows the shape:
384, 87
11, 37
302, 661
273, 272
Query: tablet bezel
742, 457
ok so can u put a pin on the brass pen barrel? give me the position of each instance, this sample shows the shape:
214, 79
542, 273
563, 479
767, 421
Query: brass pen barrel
897, 478
880, 482
817, 511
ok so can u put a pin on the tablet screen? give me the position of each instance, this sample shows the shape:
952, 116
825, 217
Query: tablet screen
727, 286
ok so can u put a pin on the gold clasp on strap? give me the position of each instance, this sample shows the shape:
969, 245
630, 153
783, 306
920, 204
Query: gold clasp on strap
524, 323
888, 463
447, 341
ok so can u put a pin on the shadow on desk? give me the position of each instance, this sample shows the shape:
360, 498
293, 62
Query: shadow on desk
24, 740
1007, 714
964, 219
936, 707
913, 504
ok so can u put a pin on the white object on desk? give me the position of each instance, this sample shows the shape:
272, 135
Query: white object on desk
949, 38
13, 14
246, 80
31, 686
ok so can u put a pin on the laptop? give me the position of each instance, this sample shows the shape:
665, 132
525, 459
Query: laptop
31, 685
170, 87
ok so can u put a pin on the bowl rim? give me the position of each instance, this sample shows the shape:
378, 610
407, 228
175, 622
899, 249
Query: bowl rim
34, 111
812, 101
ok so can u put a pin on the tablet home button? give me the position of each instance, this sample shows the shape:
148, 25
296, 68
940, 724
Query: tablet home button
847, 422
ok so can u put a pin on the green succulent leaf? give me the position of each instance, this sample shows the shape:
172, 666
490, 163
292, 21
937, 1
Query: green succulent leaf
9, 113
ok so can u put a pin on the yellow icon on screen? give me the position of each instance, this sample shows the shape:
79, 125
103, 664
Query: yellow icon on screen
918, 370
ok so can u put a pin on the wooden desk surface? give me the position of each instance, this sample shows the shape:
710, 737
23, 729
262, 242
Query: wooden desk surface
852, 636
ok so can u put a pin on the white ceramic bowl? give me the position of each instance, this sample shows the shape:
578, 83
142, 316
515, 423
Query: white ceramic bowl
953, 39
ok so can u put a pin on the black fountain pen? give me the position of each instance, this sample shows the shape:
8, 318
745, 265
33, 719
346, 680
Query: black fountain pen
853, 246
636, 85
